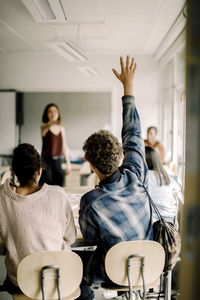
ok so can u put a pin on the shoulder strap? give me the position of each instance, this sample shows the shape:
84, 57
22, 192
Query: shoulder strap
154, 206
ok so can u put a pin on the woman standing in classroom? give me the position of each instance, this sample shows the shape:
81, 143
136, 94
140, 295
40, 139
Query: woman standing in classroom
54, 147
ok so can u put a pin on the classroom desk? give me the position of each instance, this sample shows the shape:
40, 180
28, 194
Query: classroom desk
81, 190
74, 195
74, 200
85, 172
79, 245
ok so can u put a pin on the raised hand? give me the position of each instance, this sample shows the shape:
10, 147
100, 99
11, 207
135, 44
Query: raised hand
127, 74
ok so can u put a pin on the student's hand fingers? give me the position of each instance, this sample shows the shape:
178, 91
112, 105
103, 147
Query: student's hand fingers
116, 73
122, 64
127, 62
135, 66
132, 64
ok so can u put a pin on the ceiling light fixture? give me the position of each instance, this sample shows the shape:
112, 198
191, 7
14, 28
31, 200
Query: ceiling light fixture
89, 71
46, 11
67, 50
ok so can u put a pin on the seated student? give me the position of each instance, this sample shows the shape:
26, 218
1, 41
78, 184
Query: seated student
32, 218
118, 210
161, 187
153, 142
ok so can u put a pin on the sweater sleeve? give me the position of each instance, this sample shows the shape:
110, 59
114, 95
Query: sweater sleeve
70, 231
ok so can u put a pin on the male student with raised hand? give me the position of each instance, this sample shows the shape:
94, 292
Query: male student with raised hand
118, 209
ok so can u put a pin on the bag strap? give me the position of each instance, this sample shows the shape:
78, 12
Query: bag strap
154, 206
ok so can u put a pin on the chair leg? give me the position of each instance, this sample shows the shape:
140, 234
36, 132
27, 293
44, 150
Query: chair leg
137, 296
168, 285
125, 296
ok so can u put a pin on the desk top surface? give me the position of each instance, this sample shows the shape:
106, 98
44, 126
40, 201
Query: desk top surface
78, 189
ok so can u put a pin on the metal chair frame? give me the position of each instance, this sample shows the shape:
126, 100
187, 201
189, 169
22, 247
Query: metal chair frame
134, 268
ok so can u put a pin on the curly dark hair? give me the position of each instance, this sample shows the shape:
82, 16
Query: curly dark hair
26, 161
45, 113
104, 151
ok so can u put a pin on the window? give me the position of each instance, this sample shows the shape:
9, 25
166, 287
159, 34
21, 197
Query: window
181, 115
168, 79
174, 118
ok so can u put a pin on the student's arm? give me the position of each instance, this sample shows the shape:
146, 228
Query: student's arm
87, 217
45, 127
133, 144
88, 229
65, 150
70, 230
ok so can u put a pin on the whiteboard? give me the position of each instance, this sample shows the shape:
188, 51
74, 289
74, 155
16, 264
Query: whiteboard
7, 122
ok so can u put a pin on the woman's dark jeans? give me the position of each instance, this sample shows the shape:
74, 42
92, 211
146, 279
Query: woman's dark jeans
53, 173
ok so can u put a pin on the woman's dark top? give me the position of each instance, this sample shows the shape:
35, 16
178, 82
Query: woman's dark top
52, 145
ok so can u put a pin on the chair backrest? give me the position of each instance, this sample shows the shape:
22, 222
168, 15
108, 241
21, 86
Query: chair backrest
117, 256
70, 268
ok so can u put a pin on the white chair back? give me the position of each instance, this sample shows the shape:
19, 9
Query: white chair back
70, 268
116, 263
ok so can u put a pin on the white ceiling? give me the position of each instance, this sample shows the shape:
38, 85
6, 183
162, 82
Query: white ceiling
95, 26
101, 29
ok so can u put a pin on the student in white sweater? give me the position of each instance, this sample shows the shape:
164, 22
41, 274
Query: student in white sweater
161, 187
32, 218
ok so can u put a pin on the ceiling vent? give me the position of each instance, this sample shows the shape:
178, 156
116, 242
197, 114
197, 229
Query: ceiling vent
89, 71
67, 50
46, 11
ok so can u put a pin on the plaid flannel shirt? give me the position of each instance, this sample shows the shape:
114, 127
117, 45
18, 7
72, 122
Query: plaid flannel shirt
118, 210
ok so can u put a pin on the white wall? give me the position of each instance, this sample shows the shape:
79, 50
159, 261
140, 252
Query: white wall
7, 122
43, 72
81, 113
